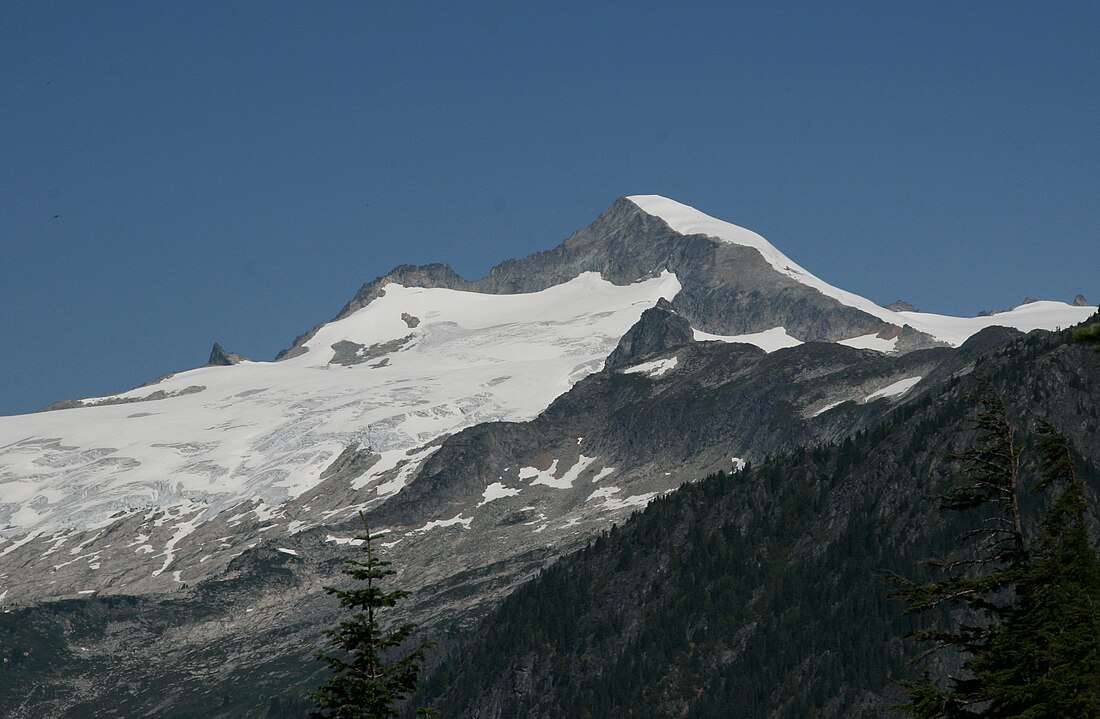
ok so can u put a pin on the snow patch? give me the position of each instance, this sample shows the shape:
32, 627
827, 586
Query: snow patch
871, 342
828, 407
437, 523
894, 390
602, 473
547, 477
776, 338
496, 490
656, 368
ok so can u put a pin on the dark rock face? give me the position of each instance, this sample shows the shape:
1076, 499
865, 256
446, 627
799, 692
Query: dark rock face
659, 330
728, 289
1080, 301
219, 357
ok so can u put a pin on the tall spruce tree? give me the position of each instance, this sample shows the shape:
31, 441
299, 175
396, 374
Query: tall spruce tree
364, 685
1032, 609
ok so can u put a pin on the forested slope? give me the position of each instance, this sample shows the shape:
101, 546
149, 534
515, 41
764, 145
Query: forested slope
761, 593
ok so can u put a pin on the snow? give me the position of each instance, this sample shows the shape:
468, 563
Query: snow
656, 368
437, 523
182, 530
547, 477
828, 407
690, 221
952, 330
496, 490
602, 473
871, 342
266, 430
343, 540
261, 433
1045, 314
894, 390
776, 338
284, 550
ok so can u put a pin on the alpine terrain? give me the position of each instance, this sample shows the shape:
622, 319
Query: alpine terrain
163, 550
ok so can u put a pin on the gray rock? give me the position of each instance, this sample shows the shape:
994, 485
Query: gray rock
727, 289
659, 330
219, 357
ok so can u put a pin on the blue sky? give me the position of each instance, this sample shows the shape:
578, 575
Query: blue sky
175, 174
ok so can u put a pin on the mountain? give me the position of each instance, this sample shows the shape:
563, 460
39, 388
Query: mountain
760, 592
178, 535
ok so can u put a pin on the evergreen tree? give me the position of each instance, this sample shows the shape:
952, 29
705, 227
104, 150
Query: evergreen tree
1045, 660
363, 684
1089, 335
1032, 609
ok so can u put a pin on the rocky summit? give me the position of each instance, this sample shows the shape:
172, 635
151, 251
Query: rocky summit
177, 536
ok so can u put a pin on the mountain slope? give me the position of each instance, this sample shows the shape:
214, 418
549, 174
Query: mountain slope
487, 427
760, 593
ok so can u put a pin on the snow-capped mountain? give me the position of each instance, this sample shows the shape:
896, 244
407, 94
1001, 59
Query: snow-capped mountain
404, 366
487, 426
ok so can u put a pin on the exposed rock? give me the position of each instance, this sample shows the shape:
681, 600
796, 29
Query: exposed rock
352, 353
219, 357
728, 289
659, 330
1080, 301
901, 306
410, 320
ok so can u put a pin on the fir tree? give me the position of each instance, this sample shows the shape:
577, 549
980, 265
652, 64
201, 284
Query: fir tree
364, 685
1045, 660
1033, 608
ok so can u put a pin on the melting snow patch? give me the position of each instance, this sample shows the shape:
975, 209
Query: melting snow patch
284, 550
656, 368
496, 490
182, 530
828, 407
437, 523
19, 543
547, 477
870, 342
602, 473
638, 500
894, 390
738, 463
603, 493
344, 540
769, 340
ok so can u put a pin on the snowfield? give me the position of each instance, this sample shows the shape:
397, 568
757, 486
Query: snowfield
952, 330
412, 366
266, 430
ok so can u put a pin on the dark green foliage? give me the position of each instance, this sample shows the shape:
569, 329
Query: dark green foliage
364, 685
1089, 334
1033, 608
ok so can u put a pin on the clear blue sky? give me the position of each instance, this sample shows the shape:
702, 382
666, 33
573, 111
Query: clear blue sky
174, 174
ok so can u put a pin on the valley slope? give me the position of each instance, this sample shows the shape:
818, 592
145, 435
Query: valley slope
178, 535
